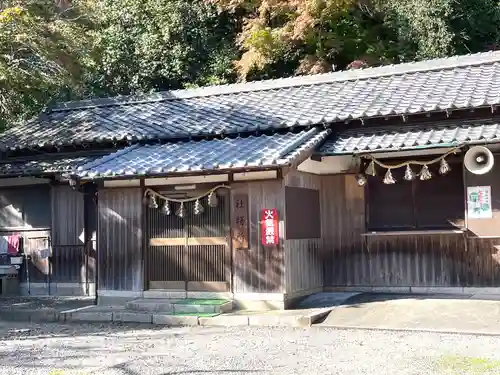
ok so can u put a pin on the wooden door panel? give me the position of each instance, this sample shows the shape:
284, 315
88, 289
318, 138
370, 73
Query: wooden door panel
193, 251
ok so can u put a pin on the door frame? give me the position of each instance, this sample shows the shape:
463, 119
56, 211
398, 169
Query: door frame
188, 242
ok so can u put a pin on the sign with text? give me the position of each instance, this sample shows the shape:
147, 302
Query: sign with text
240, 222
269, 227
479, 202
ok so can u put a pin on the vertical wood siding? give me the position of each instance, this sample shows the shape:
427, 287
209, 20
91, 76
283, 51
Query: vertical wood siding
419, 260
120, 239
67, 216
25, 206
188, 262
343, 222
69, 261
38, 268
259, 269
408, 260
28, 207
69, 264
432, 260
303, 260
59, 208
482, 262
164, 263
209, 263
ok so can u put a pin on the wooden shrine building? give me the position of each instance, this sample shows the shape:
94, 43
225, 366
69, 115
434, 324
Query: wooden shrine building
384, 178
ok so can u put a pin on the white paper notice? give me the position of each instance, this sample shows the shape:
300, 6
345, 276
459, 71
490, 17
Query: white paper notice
479, 202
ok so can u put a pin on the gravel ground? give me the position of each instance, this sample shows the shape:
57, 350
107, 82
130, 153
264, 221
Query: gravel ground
57, 304
56, 349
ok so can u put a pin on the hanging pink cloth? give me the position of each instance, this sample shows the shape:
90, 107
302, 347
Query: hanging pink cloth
13, 241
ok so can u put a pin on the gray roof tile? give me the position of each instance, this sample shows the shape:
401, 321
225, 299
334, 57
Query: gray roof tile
253, 152
44, 165
441, 84
404, 138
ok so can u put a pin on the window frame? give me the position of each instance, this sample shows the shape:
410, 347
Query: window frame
370, 227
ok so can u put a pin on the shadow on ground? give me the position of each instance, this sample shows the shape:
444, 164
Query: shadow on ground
55, 303
128, 371
358, 300
429, 312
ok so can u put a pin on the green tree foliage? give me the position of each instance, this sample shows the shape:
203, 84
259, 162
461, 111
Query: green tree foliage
438, 28
69, 49
42, 55
285, 37
148, 45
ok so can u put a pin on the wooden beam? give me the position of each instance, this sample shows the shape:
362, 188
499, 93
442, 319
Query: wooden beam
169, 285
197, 241
208, 286
181, 241
159, 241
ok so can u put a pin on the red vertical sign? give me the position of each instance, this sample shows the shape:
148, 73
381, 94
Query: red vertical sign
269, 227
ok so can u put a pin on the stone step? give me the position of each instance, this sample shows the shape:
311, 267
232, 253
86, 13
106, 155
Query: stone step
182, 306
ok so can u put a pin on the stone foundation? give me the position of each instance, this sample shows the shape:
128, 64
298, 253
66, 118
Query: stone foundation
57, 289
242, 301
418, 290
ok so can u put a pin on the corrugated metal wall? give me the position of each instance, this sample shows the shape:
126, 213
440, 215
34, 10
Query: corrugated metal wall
303, 260
259, 269
120, 239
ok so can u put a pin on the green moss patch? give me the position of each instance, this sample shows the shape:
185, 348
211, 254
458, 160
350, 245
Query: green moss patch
453, 365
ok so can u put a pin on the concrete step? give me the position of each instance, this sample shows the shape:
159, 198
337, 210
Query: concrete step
180, 306
209, 306
151, 305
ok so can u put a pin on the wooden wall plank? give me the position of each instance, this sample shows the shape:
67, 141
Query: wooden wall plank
259, 269
303, 258
194, 241
420, 260
433, 260
38, 268
67, 216
193, 248
343, 222
69, 263
25, 206
120, 236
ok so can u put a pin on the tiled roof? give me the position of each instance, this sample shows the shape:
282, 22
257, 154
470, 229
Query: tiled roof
43, 165
253, 152
405, 138
441, 84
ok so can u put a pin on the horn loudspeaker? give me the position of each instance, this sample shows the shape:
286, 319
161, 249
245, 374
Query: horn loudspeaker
479, 160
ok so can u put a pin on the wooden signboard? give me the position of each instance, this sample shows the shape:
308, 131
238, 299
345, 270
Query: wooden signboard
240, 224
